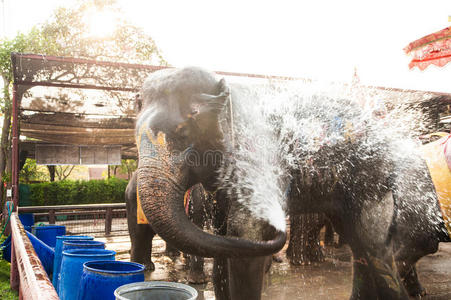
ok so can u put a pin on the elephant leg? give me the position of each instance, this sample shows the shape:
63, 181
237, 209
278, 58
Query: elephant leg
315, 251
197, 214
406, 257
375, 276
221, 279
246, 277
141, 245
220, 268
419, 226
341, 242
304, 244
329, 235
412, 283
141, 235
369, 230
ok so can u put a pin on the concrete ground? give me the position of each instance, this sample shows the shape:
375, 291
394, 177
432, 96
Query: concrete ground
329, 280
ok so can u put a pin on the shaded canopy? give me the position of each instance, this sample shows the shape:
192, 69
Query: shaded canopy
77, 101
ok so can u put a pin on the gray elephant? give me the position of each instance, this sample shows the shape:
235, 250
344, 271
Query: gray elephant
185, 114
355, 179
419, 223
371, 185
416, 229
416, 226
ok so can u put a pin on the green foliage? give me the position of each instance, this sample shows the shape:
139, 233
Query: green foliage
33, 41
128, 166
5, 289
31, 172
66, 33
78, 192
69, 28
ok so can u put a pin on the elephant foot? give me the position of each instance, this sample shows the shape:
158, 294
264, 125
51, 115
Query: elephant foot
307, 257
197, 277
295, 262
415, 289
412, 284
150, 266
418, 294
300, 261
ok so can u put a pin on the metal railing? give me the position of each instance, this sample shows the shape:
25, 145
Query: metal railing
27, 273
88, 212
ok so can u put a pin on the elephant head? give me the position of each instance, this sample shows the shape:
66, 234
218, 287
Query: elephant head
183, 113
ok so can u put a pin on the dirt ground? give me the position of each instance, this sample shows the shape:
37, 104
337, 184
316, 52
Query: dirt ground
329, 280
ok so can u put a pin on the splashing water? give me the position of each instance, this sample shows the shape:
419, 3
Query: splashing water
256, 175
284, 126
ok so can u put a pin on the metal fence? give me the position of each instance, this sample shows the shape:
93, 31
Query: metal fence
103, 219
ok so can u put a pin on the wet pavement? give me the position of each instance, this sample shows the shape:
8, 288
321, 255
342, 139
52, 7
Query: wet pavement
329, 280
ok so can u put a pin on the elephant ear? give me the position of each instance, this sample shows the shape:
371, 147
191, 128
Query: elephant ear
204, 119
214, 103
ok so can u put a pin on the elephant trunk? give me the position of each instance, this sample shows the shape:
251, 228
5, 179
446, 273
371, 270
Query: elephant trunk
161, 187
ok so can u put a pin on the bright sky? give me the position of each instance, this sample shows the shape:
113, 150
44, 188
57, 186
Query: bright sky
318, 39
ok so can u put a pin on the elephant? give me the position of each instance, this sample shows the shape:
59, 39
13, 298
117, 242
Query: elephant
141, 235
417, 226
370, 185
420, 225
185, 113
357, 178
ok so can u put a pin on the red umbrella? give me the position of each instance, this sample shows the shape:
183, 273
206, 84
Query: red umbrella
434, 49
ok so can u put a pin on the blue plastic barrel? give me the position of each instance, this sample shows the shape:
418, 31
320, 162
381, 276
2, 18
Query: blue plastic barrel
72, 268
27, 220
82, 244
6, 248
59, 253
156, 290
100, 279
45, 253
48, 233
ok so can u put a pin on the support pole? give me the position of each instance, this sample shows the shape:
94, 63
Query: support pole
52, 218
15, 149
14, 278
108, 220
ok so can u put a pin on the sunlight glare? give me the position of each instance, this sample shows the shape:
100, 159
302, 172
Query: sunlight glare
100, 24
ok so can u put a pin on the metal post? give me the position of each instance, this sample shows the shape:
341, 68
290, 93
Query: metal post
52, 218
15, 149
14, 278
108, 220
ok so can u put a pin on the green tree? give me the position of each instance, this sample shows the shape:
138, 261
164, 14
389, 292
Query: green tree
66, 33
30, 42
128, 166
31, 172
63, 171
